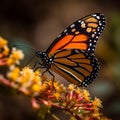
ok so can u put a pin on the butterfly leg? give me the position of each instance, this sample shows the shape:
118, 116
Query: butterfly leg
45, 71
52, 79
37, 62
38, 68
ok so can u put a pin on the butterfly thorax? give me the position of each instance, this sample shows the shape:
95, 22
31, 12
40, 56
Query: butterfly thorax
45, 60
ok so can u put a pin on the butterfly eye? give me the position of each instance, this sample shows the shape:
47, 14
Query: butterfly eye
39, 54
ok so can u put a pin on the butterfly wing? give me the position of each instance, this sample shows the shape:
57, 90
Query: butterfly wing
77, 66
82, 34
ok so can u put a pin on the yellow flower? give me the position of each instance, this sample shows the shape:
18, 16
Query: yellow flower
3, 45
37, 77
78, 90
71, 87
44, 86
96, 115
37, 72
6, 50
10, 61
86, 94
15, 56
36, 88
27, 75
3, 42
97, 103
14, 74
58, 87
57, 95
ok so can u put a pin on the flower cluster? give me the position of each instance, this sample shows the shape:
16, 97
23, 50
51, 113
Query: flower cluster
7, 58
73, 100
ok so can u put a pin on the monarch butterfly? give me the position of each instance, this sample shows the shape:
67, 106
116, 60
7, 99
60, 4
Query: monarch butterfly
71, 54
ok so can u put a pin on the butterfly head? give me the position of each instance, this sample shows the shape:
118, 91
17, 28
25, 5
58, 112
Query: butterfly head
46, 61
40, 54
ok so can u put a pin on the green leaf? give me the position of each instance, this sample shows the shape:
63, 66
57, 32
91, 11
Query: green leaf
42, 112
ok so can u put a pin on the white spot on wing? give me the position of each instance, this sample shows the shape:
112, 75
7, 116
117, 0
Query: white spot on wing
79, 21
88, 49
59, 35
94, 15
82, 22
65, 30
98, 17
73, 25
90, 44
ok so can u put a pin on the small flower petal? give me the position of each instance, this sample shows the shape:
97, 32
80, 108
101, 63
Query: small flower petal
3, 42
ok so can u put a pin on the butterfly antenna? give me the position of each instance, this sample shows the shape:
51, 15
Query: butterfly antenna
29, 61
17, 45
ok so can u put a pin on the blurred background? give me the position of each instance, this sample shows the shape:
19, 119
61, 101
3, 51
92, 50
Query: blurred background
38, 22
